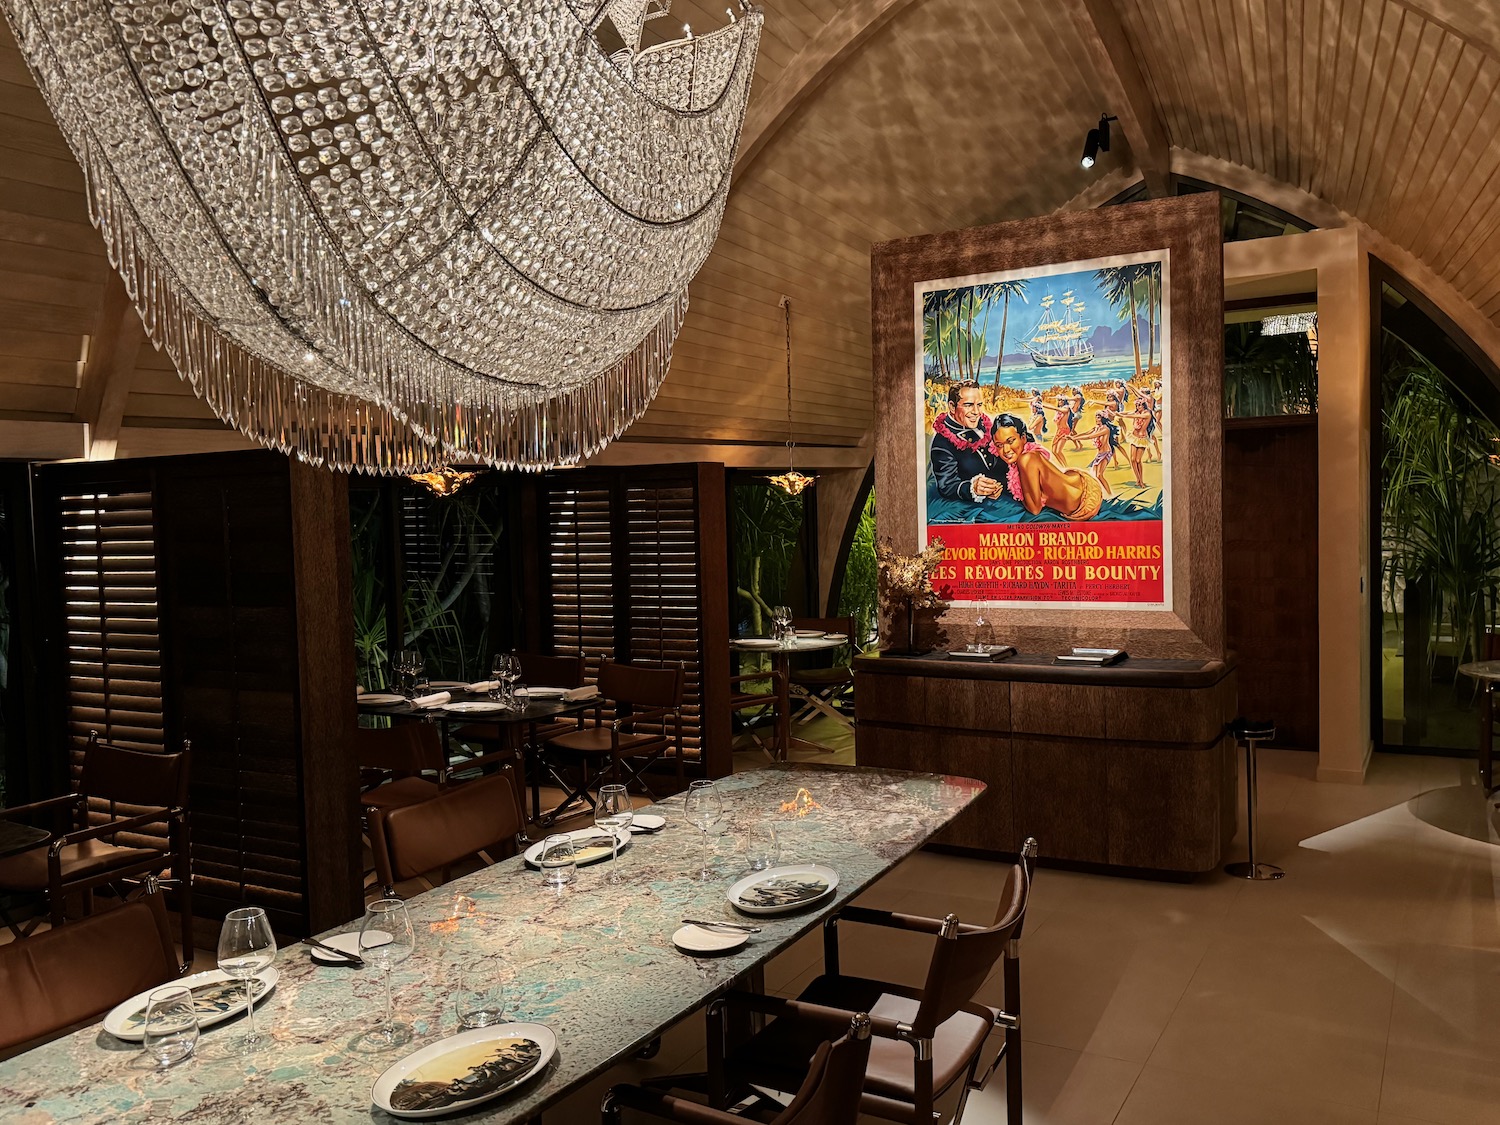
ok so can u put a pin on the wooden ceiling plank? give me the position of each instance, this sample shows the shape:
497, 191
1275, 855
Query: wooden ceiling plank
1385, 179
1183, 129
1332, 83
108, 370
1385, 89
1440, 233
1131, 98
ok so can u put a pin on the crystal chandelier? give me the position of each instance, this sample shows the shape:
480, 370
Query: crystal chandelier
387, 234
791, 482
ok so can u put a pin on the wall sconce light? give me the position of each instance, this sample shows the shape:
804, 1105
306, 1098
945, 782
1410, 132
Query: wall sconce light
1097, 141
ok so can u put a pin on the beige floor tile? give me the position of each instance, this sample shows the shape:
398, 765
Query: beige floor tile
1442, 1061
1237, 1096
804, 955
1313, 1014
1393, 1119
1059, 1087
1109, 988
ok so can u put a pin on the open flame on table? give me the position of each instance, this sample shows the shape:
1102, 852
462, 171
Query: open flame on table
801, 804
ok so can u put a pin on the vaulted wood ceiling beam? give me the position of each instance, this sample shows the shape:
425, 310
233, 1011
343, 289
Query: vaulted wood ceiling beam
1140, 120
109, 370
839, 40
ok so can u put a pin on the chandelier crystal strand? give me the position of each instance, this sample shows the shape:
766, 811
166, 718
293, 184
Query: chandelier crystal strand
390, 234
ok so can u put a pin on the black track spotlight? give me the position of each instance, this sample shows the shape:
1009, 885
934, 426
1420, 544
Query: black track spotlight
1097, 141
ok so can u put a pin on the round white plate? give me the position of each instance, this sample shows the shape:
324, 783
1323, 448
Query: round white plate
782, 890
810, 632
216, 996
381, 697
543, 692
649, 821
701, 939
835, 636
447, 685
348, 943
757, 642
448, 1076
586, 856
475, 707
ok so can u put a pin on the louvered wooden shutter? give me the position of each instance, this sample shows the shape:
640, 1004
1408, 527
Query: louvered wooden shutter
663, 590
111, 636
579, 550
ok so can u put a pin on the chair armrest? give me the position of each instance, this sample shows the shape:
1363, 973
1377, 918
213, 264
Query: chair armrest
17, 811
835, 1019
125, 824
773, 676
659, 1103
889, 919
636, 716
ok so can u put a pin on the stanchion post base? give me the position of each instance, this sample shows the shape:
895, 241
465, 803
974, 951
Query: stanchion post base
1256, 871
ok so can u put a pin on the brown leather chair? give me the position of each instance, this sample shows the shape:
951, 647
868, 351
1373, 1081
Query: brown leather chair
464, 820
764, 703
70, 975
118, 850
926, 1039
829, 1095
615, 748
392, 762
816, 689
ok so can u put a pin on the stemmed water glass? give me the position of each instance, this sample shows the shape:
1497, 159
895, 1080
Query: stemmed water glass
247, 947
409, 665
781, 618
613, 812
387, 918
507, 669
704, 808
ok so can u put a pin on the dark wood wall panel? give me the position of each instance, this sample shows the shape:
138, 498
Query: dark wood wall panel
1271, 572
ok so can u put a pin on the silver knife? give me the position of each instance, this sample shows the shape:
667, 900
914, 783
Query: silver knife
722, 926
348, 958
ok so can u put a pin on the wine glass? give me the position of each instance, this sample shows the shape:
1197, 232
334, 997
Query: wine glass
387, 918
704, 808
507, 669
613, 812
781, 618
247, 947
409, 665
171, 1029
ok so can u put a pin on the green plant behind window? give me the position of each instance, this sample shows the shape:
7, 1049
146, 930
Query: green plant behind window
1268, 376
1441, 497
767, 525
372, 650
859, 596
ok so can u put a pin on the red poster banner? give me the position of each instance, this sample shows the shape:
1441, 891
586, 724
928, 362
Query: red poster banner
1115, 563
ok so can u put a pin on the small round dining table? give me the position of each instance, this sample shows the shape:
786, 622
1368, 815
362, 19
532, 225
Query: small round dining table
1487, 672
781, 660
17, 838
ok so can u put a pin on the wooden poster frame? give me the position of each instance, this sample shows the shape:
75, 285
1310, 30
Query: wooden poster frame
1188, 228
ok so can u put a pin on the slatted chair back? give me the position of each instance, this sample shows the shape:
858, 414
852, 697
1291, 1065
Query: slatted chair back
641, 687
142, 778
964, 956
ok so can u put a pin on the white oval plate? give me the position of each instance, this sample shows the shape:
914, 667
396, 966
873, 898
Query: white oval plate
470, 1050
215, 1004
587, 855
648, 821
349, 943
757, 642
543, 692
382, 697
700, 939
474, 707
835, 636
782, 890
810, 632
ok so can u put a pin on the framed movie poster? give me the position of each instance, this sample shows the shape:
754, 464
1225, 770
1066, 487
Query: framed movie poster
1043, 433
1048, 401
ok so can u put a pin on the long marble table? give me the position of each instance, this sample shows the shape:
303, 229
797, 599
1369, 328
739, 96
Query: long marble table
595, 963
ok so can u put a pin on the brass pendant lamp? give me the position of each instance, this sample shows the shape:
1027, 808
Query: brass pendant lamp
791, 482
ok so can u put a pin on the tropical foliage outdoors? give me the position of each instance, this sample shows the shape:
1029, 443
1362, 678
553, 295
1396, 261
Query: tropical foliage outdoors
766, 525
1266, 376
1440, 510
859, 597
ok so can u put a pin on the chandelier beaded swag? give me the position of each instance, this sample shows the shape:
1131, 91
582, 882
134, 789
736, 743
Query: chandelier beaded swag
388, 234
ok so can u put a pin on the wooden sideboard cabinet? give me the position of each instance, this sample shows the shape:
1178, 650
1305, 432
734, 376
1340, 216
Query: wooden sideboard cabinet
1128, 767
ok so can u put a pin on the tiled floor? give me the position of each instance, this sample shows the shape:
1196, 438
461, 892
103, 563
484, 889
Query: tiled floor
1362, 989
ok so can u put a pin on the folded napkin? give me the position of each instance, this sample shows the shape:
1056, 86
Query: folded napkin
359, 689
588, 691
436, 699
484, 685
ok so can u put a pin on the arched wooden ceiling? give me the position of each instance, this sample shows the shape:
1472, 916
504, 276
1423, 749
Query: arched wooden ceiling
874, 119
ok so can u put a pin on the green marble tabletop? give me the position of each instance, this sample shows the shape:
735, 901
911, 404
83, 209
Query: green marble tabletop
594, 962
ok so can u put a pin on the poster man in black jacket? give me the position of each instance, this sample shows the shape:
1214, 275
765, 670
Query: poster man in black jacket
964, 467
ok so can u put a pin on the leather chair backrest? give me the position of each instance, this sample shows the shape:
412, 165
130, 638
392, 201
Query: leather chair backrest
143, 778
964, 958
65, 976
460, 821
403, 748
550, 671
641, 687
830, 1093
